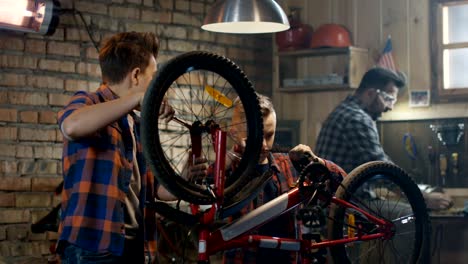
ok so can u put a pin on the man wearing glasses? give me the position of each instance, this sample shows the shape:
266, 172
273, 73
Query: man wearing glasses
349, 135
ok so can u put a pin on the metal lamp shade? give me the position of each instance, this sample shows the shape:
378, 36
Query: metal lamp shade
246, 17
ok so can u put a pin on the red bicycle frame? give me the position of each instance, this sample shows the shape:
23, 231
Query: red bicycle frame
235, 234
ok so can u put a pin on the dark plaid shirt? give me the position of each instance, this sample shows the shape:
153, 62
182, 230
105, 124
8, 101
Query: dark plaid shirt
283, 180
97, 171
349, 136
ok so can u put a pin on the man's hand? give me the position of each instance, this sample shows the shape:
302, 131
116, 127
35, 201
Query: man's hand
166, 111
199, 169
437, 200
301, 155
195, 169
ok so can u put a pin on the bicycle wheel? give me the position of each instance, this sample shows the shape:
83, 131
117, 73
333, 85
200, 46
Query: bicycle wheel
387, 192
204, 89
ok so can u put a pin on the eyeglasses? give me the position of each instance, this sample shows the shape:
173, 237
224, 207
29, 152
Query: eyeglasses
387, 97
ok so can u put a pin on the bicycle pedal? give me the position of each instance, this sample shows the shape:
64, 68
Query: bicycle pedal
312, 217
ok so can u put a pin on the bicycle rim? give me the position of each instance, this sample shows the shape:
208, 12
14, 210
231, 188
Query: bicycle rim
388, 193
201, 87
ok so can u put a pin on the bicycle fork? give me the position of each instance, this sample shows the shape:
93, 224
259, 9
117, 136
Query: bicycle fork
219, 139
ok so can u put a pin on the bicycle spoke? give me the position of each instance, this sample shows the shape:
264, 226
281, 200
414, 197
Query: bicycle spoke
184, 99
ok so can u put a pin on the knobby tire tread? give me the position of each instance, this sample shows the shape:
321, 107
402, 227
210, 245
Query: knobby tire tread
357, 178
174, 68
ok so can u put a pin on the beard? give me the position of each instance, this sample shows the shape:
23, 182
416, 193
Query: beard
375, 115
374, 110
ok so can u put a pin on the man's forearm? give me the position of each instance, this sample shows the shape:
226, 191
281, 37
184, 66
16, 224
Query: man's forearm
89, 119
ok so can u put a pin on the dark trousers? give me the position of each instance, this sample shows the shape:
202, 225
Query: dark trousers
133, 253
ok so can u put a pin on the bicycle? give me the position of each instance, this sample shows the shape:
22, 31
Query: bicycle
377, 213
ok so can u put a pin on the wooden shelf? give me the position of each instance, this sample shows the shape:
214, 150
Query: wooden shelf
320, 52
351, 65
315, 88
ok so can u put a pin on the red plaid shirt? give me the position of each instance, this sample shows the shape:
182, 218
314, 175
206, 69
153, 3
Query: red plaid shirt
97, 171
283, 180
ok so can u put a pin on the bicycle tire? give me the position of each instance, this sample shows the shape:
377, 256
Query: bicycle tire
165, 84
413, 246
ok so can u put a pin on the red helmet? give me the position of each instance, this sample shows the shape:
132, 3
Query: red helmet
330, 35
296, 37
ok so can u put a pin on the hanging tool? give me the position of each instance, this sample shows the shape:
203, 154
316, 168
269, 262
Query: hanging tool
454, 164
410, 146
443, 168
432, 159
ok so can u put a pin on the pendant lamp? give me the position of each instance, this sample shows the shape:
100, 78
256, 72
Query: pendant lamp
246, 17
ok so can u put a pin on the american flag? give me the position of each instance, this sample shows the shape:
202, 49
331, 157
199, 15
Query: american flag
386, 58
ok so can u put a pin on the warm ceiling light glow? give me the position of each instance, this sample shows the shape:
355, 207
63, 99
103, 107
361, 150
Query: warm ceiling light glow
33, 16
246, 17
13, 12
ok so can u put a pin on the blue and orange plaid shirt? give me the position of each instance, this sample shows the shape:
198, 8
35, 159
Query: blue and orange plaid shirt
283, 180
97, 172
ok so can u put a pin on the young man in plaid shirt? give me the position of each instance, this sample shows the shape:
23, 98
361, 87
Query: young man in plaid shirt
106, 180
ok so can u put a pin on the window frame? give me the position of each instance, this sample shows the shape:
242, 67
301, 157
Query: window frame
437, 49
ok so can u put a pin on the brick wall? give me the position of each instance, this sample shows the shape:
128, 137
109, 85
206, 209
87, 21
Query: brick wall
39, 73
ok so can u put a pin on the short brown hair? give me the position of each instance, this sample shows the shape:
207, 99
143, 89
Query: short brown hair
125, 51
